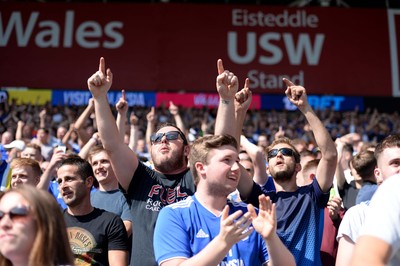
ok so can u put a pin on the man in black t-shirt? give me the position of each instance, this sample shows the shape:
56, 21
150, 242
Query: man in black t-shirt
148, 190
97, 237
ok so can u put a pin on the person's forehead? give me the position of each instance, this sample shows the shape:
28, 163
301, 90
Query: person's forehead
244, 157
389, 154
167, 129
100, 156
30, 150
246, 164
22, 168
67, 169
281, 145
223, 151
12, 199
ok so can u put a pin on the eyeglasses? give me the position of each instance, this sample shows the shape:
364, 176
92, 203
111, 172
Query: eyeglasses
285, 152
170, 135
17, 213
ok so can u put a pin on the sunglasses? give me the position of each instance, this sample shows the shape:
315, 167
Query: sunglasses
170, 135
17, 213
285, 152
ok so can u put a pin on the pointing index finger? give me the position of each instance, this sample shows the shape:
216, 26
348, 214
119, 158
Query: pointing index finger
102, 65
246, 83
220, 67
124, 95
288, 82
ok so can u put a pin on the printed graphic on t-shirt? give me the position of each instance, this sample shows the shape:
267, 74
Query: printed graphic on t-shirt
83, 246
158, 197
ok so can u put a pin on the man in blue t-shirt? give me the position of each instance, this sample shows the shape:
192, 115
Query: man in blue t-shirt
299, 209
206, 229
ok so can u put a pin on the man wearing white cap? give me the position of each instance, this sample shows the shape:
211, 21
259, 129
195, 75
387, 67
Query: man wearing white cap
14, 149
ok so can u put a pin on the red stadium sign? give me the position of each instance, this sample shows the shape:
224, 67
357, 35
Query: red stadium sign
172, 47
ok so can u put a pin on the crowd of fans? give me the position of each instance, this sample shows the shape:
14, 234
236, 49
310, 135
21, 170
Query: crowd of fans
370, 126
113, 169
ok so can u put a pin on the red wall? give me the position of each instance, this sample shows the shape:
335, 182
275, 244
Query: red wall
172, 47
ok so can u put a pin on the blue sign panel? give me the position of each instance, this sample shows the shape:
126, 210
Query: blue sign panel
70, 97
317, 102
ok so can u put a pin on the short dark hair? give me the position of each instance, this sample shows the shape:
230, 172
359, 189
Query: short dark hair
84, 168
390, 141
364, 163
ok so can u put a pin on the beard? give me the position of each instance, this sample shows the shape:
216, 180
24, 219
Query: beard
175, 160
283, 175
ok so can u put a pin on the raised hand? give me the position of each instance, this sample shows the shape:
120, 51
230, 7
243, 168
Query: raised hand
243, 97
42, 114
296, 94
133, 119
280, 133
227, 83
151, 116
233, 229
100, 82
91, 103
173, 109
265, 222
122, 105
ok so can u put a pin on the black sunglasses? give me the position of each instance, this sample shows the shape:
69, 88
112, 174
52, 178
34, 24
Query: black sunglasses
170, 135
285, 152
15, 213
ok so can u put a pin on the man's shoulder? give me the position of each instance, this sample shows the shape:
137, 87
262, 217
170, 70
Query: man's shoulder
358, 211
97, 212
180, 205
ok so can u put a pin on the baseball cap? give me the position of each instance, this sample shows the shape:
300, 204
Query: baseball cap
18, 144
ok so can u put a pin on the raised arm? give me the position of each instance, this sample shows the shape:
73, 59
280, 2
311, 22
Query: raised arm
339, 173
42, 118
67, 135
243, 100
93, 141
134, 132
257, 156
51, 169
18, 132
327, 165
227, 86
231, 113
122, 108
151, 124
123, 159
174, 110
80, 122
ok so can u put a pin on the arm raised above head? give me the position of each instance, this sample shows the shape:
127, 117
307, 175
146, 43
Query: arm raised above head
327, 165
123, 159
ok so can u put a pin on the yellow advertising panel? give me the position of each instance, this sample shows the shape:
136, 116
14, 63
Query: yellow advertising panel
29, 96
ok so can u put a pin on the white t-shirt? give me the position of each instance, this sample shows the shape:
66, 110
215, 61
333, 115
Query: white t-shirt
382, 218
352, 221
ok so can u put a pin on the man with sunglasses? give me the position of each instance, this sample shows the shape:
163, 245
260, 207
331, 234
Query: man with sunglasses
147, 190
299, 209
